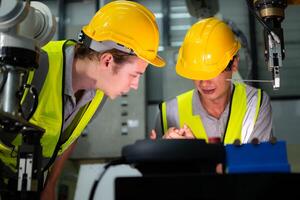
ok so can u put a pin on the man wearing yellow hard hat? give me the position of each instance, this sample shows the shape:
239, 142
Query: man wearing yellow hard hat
216, 110
112, 54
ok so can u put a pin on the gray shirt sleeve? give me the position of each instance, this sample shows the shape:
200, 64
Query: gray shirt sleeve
158, 125
172, 117
263, 126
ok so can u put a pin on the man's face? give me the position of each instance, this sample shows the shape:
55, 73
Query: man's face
126, 77
218, 87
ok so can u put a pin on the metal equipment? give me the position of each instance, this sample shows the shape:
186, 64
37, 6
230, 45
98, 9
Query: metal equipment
271, 14
24, 28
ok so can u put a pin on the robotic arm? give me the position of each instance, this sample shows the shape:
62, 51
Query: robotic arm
271, 15
24, 28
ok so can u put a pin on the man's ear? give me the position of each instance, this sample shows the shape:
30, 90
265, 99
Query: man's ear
106, 59
235, 64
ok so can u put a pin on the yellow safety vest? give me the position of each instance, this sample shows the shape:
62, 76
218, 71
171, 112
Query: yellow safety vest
49, 113
237, 113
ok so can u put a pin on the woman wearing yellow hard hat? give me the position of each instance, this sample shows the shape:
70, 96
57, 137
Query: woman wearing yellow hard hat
216, 110
111, 55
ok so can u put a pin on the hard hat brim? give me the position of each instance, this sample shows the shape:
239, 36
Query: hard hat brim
197, 75
157, 61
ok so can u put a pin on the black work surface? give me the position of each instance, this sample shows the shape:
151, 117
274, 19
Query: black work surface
190, 187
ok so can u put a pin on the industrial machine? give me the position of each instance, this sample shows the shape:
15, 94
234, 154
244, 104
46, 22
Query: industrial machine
186, 163
24, 28
271, 14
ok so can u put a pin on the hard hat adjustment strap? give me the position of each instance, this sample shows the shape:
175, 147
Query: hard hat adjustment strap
101, 46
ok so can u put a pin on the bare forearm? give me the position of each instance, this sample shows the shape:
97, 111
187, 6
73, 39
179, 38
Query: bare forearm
56, 170
48, 192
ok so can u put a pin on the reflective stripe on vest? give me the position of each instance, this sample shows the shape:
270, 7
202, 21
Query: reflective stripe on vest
91, 109
242, 117
49, 113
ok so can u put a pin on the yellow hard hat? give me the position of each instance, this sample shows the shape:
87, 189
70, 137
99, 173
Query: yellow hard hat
130, 26
208, 47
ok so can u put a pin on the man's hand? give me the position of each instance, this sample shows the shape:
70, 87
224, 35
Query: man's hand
153, 135
174, 133
188, 132
183, 133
